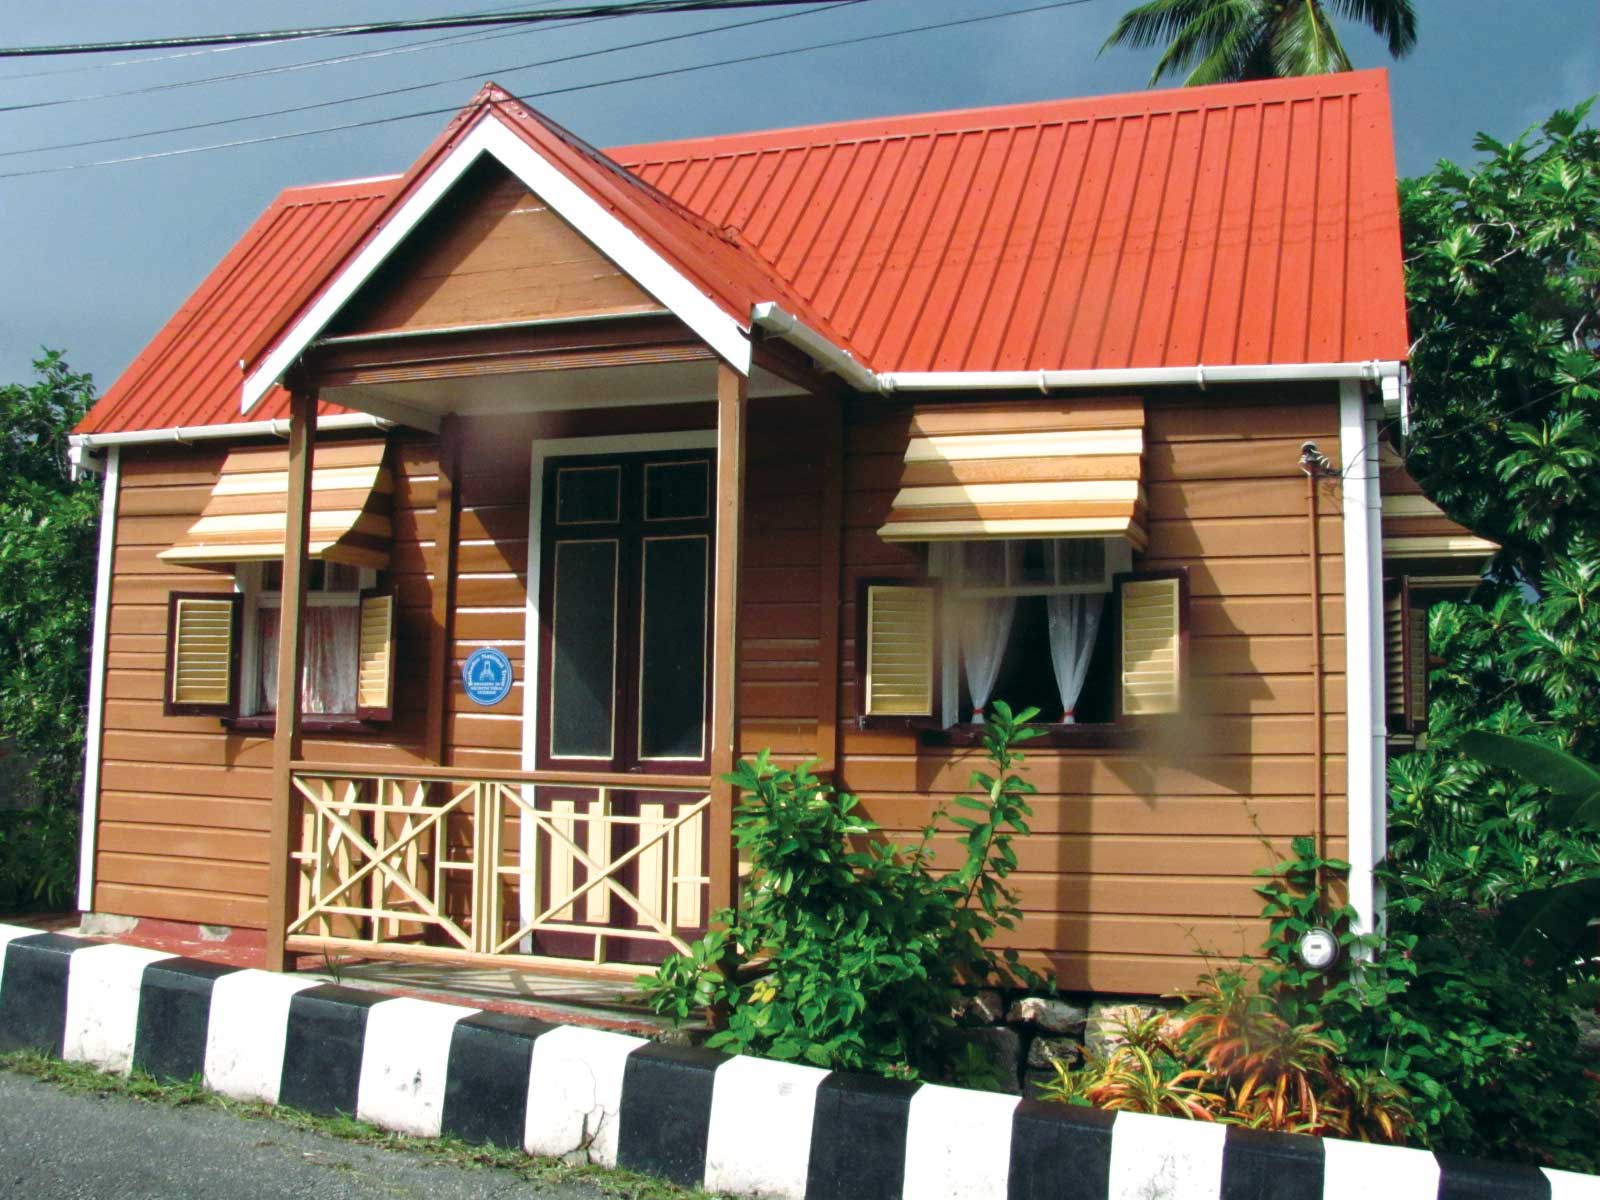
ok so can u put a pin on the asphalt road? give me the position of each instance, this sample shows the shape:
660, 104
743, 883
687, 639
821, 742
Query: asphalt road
58, 1145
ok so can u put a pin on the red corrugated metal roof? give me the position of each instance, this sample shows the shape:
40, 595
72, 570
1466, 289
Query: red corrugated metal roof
189, 374
1239, 224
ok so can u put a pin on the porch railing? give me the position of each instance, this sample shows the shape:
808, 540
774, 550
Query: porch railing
498, 866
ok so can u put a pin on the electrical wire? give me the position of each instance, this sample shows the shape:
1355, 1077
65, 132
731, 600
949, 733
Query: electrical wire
451, 39
419, 87
469, 20
434, 112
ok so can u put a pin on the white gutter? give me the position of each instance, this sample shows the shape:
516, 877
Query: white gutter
241, 429
97, 680
1366, 732
776, 322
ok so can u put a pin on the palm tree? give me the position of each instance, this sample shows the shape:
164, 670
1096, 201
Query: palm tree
1228, 40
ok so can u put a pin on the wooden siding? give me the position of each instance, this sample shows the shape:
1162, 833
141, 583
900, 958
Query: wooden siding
184, 801
1141, 858
492, 252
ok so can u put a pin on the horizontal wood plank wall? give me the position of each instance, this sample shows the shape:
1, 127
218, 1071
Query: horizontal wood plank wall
184, 802
780, 619
491, 251
1141, 860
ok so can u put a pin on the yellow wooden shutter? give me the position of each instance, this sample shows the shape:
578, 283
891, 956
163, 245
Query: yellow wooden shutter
1405, 659
1394, 659
375, 680
202, 654
1152, 646
900, 646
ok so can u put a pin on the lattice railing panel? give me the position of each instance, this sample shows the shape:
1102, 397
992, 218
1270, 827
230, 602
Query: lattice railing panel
498, 867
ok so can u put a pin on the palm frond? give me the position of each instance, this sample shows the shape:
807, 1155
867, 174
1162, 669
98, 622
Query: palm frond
1393, 20
1304, 42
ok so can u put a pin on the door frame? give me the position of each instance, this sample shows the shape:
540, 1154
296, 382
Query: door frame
545, 449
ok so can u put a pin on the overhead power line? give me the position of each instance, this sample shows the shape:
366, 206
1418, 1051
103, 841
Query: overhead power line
526, 16
491, 73
578, 87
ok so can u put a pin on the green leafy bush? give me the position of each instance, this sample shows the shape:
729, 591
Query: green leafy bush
1480, 1044
38, 858
848, 951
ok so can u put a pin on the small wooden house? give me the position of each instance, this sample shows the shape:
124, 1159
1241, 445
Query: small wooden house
465, 524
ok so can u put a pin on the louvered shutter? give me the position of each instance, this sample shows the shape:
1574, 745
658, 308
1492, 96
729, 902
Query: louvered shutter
202, 677
1150, 659
375, 660
900, 640
1405, 659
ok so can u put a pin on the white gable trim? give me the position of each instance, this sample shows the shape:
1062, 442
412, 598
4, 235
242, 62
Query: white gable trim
613, 238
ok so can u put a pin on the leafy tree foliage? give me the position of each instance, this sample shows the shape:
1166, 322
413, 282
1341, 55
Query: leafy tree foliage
1503, 276
48, 527
1228, 40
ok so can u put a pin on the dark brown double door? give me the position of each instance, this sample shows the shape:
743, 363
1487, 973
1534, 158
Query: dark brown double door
624, 680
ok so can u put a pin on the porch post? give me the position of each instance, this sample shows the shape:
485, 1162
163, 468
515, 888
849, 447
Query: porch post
291, 655
446, 524
732, 391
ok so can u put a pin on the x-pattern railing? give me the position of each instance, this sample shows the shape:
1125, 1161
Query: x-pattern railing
444, 859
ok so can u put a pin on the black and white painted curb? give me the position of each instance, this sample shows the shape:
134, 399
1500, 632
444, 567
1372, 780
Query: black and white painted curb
740, 1125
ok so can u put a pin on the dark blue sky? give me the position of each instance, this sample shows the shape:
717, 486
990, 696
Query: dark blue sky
93, 261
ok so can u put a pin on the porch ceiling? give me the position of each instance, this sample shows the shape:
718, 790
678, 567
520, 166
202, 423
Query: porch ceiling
421, 402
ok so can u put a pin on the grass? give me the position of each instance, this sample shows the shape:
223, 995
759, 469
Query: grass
85, 1080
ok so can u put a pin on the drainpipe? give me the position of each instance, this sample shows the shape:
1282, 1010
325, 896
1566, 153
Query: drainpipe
1363, 651
1313, 462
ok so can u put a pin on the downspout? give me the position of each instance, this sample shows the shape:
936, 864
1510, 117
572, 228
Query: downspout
1313, 462
1363, 655
97, 679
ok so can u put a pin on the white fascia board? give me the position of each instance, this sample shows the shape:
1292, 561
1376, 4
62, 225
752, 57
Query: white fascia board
1196, 376
97, 680
278, 427
614, 239
780, 323
1364, 684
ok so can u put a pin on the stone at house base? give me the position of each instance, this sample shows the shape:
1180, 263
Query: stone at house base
1048, 1015
1001, 1051
984, 1007
1588, 1023
1103, 1032
106, 925
1043, 1051
215, 933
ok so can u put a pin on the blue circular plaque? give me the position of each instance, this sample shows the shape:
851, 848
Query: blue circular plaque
487, 676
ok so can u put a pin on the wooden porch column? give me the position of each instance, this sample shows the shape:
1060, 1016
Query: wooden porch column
286, 735
732, 392
446, 522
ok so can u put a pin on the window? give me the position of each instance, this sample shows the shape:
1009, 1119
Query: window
222, 649
1026, 623
342, 613
1057, 624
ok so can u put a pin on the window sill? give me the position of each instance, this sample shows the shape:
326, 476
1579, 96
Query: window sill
310, 723
1048, 736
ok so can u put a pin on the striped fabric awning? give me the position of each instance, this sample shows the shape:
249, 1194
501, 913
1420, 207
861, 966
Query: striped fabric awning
1022, 469
1414, 527
245, 518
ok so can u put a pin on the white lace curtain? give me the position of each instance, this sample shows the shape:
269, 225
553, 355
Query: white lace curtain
985, 628
332, 647
1074, 622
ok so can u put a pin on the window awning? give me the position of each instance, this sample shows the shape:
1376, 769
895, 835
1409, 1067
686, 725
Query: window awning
1415, 528
245, 517
1022, 469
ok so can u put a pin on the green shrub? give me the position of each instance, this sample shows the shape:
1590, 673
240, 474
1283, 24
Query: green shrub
38, 858
1479, 1042
848, 951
